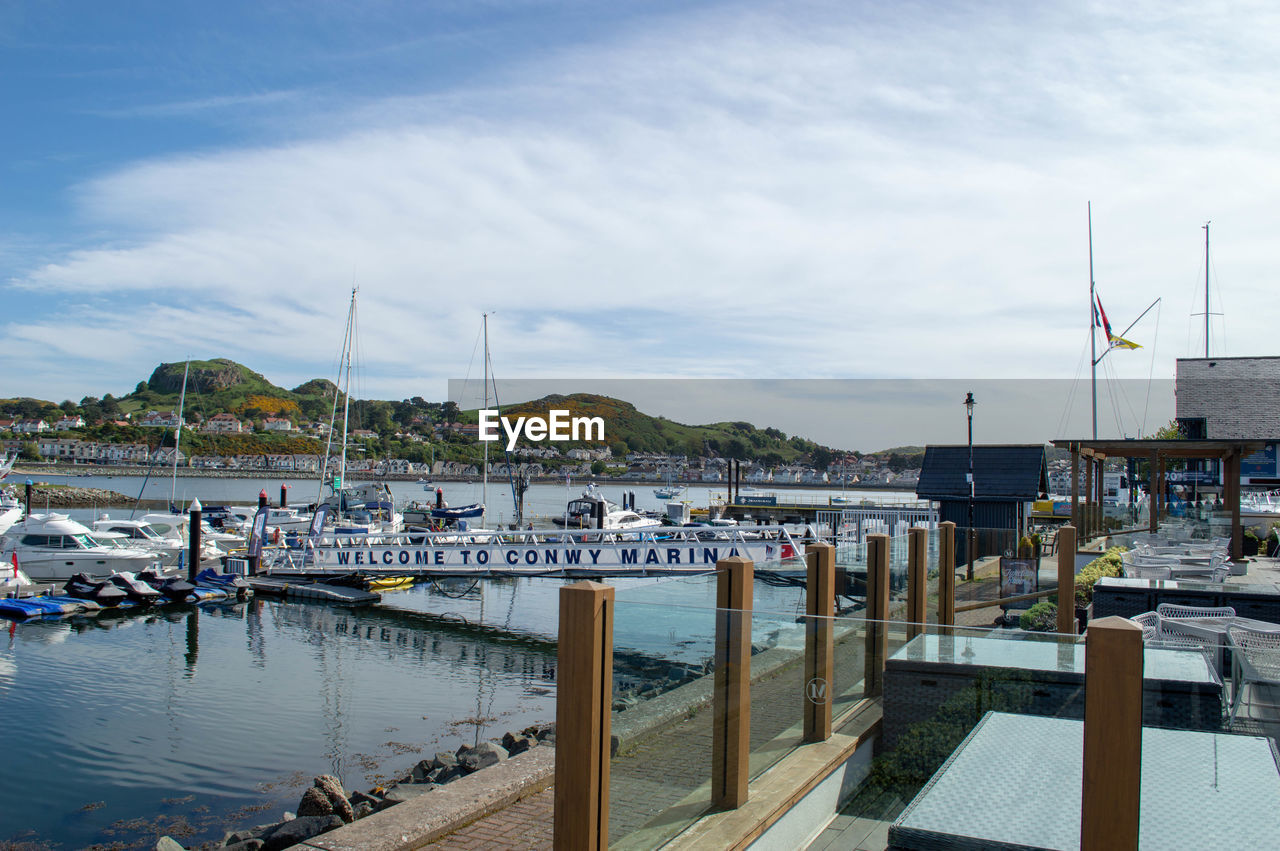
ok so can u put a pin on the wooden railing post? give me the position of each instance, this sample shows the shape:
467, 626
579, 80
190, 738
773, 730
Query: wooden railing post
584, 698
917, 580
819, 641
1067, 580
731, 716
1110, 793
877, 612
946, 574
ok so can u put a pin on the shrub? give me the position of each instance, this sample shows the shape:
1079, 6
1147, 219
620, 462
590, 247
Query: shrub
1109, 563
1042, 617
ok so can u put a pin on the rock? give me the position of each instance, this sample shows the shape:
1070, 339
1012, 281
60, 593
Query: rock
329, 785
362, 809
315, 803
422, 771
482, 755
247, 845
407, 792
167, 844
444, 759
358, 798
519, 744
298, 830
448, 775
288, 816
613, 746
237, 837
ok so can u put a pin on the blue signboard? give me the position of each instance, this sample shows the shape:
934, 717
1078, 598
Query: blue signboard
1261, 465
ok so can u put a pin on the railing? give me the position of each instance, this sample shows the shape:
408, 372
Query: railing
745, 689
675, 549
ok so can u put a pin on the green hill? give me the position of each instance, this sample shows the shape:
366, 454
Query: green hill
221, 385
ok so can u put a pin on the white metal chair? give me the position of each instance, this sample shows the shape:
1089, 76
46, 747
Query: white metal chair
1255, 659
1150, 572
1150, 623
1171, 611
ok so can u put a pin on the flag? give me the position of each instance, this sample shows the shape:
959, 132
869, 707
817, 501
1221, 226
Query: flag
1100, 319
15, 564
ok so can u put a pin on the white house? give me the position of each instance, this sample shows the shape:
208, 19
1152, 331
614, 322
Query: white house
68, 423
224, 424
277, 424
161, 419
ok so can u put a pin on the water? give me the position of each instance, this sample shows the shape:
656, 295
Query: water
192, 720
541, 500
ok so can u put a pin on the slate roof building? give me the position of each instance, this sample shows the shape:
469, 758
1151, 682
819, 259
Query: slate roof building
1006, 477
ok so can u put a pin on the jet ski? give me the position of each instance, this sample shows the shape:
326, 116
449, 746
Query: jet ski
136, 590
229, 583
101, 591
173, 586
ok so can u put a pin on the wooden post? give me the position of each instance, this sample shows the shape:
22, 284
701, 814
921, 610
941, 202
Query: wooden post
877, 612
819, 641
1232, 483
946, 574
584, 685
1110, 793
193, 541
1099, 485
917, 580
1088, 498
284, 492
1152, 509
1067, 580
1075, 485
731, 716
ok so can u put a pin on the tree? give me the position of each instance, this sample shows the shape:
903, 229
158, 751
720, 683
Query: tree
597, 468
450, 412
1172, 431
29, 451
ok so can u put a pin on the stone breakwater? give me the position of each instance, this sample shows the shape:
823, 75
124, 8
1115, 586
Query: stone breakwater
64, 496
326, 805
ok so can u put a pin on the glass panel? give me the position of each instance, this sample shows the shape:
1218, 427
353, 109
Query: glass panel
663, 669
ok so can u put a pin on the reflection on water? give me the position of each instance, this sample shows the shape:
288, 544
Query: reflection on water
189, 720
195, 720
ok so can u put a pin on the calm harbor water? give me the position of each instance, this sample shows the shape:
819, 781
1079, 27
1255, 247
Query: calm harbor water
189, 721
541, 500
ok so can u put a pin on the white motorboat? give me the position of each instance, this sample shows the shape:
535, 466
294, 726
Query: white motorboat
173, 528
53, 547
593, 511
10, 509
137, 534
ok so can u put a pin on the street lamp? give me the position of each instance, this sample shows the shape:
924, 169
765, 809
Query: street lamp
968, 407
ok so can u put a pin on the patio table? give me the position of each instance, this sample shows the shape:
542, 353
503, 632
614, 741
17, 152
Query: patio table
1199, 790
1215, 630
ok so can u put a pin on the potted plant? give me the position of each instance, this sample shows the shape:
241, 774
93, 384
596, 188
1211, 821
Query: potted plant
1109, 563
1249, 545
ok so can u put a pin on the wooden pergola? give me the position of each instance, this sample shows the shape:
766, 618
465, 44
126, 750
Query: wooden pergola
1088, 517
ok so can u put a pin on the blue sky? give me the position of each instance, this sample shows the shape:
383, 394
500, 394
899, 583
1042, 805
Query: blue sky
635, 189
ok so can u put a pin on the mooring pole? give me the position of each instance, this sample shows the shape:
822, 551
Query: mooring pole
193, 539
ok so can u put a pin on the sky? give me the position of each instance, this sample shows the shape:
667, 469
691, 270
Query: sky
657, 190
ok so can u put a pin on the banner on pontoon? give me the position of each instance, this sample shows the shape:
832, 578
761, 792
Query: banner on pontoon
549, 557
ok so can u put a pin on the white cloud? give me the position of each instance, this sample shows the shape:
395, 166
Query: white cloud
789, 190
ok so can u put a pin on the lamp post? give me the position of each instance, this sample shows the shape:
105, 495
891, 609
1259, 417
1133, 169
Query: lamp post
968, 407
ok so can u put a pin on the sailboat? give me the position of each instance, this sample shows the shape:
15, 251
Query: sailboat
369, 504
670, 491
475, 509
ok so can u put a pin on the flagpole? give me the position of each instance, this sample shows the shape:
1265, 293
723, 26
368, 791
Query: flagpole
1093, 325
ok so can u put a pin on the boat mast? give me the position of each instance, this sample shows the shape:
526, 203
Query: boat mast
177, 433
333, 414
1206, 289
484, 481
1093, 331
346, 392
